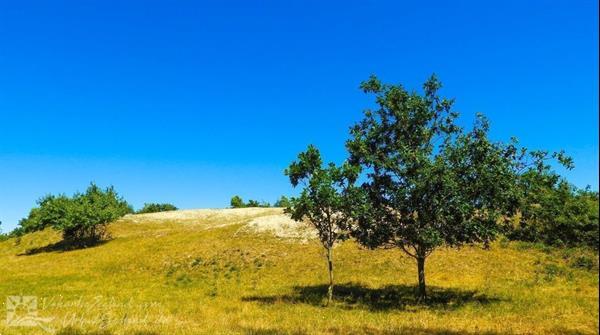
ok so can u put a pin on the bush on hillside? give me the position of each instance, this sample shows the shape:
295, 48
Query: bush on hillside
556, 213
238, 202
283, 202
155, 208
3, 236
256, 203
82, 218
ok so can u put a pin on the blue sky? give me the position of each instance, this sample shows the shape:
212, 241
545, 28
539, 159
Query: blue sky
192, 102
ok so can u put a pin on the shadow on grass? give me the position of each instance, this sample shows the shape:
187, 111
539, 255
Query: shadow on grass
401, 297
398, 331
62, 246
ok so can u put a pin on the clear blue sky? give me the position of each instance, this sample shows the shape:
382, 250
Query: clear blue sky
191, 102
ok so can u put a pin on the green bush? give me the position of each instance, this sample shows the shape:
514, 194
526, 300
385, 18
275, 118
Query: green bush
556, 213
256, 203
82, 218
551, 270
283, 202
238, 202
584, 262
155, 208
3, 237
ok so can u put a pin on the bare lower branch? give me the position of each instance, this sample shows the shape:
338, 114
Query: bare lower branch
406, 251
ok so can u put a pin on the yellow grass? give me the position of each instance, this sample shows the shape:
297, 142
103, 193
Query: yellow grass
209, 275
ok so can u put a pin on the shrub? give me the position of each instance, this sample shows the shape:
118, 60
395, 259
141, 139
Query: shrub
155, 208
51, 211
283, 202
17, 232
584, 262
3, 237
256, 203
556, 213
551, 270
237, 202
82, 218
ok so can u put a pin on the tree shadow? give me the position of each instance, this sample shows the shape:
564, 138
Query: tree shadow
401, 297
62, 246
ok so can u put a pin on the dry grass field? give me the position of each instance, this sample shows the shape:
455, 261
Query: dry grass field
228, 272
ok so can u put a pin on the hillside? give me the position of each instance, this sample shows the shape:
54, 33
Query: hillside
252, 271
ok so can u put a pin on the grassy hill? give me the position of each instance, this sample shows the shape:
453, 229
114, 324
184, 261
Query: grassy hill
208, 272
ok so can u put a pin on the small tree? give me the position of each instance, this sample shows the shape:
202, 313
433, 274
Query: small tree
237, 202
323, 201
428, 182
282, 202
82, 219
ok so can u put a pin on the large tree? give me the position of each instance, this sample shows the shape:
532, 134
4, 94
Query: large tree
428, 182
323, 201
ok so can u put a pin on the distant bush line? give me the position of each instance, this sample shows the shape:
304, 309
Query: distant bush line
155, 208
554, 213
238, 202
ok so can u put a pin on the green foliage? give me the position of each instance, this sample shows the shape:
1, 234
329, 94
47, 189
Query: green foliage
584, 262
282, 202
551, 271
51, 211
82, 218
428, 181
155, 208
324, 200
555, 212
238, 202
256, 203
17, 232
3, 236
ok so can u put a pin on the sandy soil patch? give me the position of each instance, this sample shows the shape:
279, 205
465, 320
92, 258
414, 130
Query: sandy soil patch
202, 216
258, 220
281, 225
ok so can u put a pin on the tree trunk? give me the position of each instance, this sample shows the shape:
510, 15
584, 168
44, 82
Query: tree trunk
422, 294
330, 268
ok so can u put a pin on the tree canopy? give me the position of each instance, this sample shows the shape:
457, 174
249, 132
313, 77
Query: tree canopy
324, 200
82, 218
429, 182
